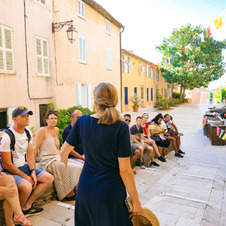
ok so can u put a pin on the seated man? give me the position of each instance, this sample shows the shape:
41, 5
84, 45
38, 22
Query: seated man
74, 153
167, 125
134, 150
137, 139
31, 182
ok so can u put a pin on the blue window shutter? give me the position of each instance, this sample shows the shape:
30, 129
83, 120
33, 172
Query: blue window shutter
151, 93
147, 94
135, 90
89, 96
79, 94
126, 95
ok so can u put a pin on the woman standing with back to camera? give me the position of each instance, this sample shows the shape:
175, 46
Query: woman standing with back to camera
104, 138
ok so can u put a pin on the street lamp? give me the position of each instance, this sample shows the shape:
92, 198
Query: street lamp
71, 31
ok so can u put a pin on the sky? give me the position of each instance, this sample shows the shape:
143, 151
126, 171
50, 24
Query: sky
148, 22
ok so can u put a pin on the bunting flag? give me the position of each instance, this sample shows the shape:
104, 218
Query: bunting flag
208, 31
218, 131
202, 37
189, 46
196, 41
159, 66
172, 58
219, 23
165, 62
151, 67
216, 22
221, 134
224, 137
205, 122
183, 51
178, 53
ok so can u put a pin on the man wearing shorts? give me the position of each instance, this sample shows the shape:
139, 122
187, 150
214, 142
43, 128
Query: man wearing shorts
137, 140
31, 182
135, 151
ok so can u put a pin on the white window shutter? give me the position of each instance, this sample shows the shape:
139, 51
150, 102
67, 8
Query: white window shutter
8, 40
79, 94
1, 60
84, 50
147, 69
38, 47
89, 96
9, 60
80, 49
79, 7
1, 45
45, 48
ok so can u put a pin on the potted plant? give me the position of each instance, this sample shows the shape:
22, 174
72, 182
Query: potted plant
135, 102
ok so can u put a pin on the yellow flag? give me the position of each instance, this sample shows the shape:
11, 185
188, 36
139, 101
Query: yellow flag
216, 22
159, 66
224, 137
219, 23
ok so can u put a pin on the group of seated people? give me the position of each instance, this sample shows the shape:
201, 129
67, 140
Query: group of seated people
153, 136
21, 183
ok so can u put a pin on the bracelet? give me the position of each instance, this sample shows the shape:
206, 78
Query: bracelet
31, 170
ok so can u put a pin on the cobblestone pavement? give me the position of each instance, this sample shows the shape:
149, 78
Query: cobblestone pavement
189, 191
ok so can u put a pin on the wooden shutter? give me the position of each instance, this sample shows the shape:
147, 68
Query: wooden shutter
9, 53
39, 56
45, 54
89, 100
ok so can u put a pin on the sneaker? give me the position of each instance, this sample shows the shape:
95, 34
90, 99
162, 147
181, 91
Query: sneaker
72, 198
154, 164
142, 166
181, 152
179, 155
32, 211
162, 159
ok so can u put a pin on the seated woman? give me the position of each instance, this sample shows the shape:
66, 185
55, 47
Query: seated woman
148, 140
11, 204
156, 132
48, 143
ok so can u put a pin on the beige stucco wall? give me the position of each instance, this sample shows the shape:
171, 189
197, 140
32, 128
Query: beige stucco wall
199, 96
14, 89
69, 70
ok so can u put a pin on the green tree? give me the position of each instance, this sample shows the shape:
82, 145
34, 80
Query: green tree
198, 65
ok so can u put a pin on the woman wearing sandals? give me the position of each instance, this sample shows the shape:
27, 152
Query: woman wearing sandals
47, 142
11, 204
107, 173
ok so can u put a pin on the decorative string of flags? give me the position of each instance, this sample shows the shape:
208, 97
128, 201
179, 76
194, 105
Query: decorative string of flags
218, 24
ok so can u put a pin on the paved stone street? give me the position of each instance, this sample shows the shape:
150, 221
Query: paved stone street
189, 191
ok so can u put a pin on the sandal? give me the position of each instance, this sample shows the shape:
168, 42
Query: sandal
24, 221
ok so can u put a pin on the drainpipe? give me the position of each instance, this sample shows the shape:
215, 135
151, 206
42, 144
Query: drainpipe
27, 67
120, 43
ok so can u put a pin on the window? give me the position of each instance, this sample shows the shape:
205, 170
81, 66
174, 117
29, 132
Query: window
123, 64
84, 95
151, 75
126, 95
147, 94
81, 8
151, 94
147, 71
165, 93
128, 65
162, 92
135, 90
108, 58
6, 50
43, 2
157, 75
82, 49
108, 26
42, 56
139, 69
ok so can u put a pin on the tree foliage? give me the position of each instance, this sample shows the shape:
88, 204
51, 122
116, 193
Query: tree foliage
200, 65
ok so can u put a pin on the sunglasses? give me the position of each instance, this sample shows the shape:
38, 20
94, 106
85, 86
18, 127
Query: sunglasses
127, 120
23, 108
51, 111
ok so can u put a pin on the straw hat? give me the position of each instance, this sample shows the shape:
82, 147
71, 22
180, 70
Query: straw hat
146, 218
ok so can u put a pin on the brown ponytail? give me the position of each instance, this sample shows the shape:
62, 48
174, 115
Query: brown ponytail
106, 97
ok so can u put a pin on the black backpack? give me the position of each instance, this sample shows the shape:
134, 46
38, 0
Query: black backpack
13, 140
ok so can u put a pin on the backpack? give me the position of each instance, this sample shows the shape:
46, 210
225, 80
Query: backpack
13, 140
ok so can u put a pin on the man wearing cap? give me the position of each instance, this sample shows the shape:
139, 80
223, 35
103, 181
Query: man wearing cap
31, 182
